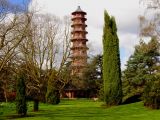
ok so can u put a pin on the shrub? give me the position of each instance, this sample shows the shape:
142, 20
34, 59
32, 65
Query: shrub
151, 96
53, 97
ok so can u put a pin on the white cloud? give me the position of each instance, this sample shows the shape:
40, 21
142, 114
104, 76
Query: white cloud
127, 43
126, 13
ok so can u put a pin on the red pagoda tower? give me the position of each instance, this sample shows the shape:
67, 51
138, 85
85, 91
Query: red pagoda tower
78, 39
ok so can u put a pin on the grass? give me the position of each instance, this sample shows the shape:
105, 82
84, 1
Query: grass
81, 110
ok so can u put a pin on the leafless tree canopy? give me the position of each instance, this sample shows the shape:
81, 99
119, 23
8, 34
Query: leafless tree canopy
150, 21
151, 4
36, 44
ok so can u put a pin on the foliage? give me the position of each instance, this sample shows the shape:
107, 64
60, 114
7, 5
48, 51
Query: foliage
151, 94
101, 92
21, 105
52, 95
111, 62
141, 68
93, 75
133, 77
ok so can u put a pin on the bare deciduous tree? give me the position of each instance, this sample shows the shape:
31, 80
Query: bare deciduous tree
48, 39
150, 21
13, 30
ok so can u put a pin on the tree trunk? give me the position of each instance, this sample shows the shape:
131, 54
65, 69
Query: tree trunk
36, 105
5, 93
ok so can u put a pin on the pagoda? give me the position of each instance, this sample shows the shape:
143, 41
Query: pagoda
78, 39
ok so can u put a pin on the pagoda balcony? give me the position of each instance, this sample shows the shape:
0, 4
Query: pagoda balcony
79, 47
78, 24
79, 30
78, 39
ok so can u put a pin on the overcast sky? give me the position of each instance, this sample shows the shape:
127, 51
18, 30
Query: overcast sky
126, 13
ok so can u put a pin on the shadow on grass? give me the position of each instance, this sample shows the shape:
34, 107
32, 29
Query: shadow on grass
70, 115
19, 116
79, 112
14, 116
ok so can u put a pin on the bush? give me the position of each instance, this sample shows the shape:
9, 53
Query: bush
53, 97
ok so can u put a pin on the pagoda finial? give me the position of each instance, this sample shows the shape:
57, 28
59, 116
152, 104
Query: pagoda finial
79, 9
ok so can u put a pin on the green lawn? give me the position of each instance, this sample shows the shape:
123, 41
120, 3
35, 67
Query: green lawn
82, 110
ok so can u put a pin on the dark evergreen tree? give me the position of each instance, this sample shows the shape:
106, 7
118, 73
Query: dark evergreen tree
21, 105
141, 75
151, 95
92, 76
111, 63
134, 78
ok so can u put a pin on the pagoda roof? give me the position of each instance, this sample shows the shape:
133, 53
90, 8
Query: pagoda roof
78, 10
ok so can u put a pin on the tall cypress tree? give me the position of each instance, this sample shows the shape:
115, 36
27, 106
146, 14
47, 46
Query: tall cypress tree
111, 62
21, 105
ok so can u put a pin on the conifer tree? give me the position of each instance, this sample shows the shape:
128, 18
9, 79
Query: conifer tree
141, 77
111, 63
21, 105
